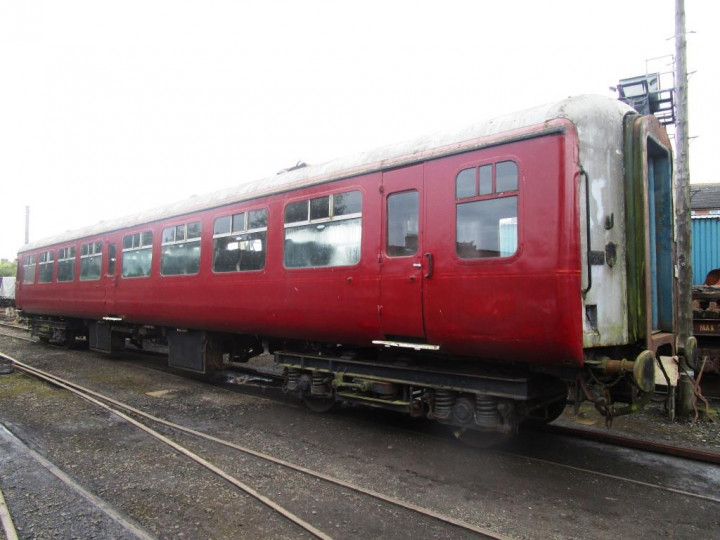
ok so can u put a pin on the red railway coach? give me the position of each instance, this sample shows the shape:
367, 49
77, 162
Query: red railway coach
468, 276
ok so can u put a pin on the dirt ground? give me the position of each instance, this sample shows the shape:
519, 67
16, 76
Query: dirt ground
534, 487
653, 423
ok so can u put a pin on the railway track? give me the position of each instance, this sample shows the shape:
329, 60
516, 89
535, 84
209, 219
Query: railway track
608, 439
15, 326
617, 478
6, 520
693, 454
105, 510
613, 439
130, 415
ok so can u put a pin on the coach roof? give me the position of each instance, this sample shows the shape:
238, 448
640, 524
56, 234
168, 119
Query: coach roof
489, 132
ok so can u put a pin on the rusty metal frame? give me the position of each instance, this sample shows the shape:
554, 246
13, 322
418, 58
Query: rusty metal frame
649, 128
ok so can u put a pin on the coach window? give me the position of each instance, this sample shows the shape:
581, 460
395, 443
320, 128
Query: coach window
320, 208
487, 224
181, 250
90, 261
506, 176
45, 267
297, 212
402, 222
239, 242
112, 259
66, 264
137, 254
324, 231
485, 175
29, 269
466, 184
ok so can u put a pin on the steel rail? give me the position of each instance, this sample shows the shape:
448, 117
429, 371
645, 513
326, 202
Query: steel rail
94, 396
636, 444
6, 520
617, 478
14, 327
113, 514
175, 446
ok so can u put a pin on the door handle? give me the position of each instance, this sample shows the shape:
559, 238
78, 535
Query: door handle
417, 265
429, 272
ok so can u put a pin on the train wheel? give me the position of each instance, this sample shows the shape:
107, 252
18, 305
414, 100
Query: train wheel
319, 405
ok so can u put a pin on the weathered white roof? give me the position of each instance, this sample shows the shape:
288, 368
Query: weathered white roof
576, 109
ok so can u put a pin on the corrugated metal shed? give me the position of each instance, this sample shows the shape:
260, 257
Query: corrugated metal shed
705, 246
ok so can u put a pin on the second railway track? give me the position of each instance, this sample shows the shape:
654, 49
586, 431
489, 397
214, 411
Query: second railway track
693, 454
127, 412
551, 462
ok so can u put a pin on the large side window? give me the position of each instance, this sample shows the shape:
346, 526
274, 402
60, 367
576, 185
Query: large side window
239, 241
29, 265
66, 264
402, 224
487, 211
90, 261
325, 231
46, 263
137, 254
181, 249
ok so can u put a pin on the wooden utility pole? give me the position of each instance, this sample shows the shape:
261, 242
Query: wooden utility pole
682, 200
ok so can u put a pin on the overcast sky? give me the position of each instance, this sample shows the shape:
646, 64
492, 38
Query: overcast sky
107, 108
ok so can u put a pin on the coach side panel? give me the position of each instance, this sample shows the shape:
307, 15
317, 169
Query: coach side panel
262, 267
499, 227
63, 280
506, 249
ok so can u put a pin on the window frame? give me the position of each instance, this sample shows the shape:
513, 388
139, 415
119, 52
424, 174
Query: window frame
64, 257
418, 216
112, 259
133, 248
184, 241
29, 261
92, 251
494, 195
236, 232
44, 259
332, 218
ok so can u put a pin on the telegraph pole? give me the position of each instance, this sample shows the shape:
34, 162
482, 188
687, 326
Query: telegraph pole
682, 199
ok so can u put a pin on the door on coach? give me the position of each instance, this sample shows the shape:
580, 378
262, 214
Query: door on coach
501, 227
401, 260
